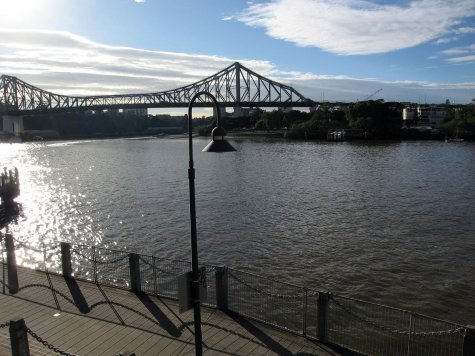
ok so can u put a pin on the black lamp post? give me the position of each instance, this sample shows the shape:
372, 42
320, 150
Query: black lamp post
218, 144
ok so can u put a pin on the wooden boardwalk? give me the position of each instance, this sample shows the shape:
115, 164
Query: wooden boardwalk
87, 319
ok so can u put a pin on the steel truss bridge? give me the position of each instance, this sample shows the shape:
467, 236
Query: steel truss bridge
234, 86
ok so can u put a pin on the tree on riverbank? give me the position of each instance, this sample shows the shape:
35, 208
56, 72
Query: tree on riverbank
317, 123
378, 119
461, 123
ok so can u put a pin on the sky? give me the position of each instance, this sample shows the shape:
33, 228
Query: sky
421, 51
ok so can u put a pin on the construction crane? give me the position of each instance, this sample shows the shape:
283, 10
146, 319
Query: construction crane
371, 95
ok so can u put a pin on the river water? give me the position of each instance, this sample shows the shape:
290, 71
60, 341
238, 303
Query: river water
388, 222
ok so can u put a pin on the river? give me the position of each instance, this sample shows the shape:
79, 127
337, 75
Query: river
388, 222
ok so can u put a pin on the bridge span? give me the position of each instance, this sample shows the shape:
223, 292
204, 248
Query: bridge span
234, 86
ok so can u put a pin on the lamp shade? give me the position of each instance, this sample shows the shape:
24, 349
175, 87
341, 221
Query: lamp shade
219, 143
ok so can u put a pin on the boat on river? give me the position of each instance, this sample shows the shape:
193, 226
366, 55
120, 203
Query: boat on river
455, 139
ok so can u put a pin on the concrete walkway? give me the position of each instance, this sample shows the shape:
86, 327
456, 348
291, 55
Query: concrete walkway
87, 319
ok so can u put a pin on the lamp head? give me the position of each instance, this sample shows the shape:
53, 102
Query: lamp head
219, 143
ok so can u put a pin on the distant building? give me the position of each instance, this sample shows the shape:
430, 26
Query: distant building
424, 115
431, 115
409, 114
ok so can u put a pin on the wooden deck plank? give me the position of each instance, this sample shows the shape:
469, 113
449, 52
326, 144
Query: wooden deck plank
109, 333
122, 344
151, 345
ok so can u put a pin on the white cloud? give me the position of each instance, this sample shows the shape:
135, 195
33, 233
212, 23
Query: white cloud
350, 90
445, 40
68, 64
62, 61
463, 54
357, 27
140, 1
466, 30
470, 58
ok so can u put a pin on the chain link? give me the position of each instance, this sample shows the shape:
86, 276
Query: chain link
210, 269
145, 261
47, 344
395, 331
4, 325
77, 252
269, 294
22, 244
112, 261
99, 262
202, 277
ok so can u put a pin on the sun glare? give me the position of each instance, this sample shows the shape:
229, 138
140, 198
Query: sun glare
18, 8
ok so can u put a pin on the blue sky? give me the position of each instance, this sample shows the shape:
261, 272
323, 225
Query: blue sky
342, 50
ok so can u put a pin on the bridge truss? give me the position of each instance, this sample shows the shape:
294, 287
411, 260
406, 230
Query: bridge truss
234, 86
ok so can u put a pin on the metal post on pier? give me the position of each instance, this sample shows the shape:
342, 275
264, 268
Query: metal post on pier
222, 287
66, 259
134, 266
322, 315
19, 338
469, 341
304, 312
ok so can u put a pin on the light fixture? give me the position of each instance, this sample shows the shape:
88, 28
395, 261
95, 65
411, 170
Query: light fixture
218, 144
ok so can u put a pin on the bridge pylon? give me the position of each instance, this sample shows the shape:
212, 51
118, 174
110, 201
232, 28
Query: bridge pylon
13, 125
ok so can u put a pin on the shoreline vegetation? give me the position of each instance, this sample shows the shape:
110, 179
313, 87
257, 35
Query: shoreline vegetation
370, 120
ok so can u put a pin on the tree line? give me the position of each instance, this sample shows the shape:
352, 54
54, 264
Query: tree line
377, 119
100, 123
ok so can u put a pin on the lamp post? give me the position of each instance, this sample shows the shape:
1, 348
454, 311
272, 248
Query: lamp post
218, 144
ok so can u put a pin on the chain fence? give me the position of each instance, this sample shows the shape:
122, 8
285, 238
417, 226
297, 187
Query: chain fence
39, 339
276, 303
357, 325
47, 344
375, 329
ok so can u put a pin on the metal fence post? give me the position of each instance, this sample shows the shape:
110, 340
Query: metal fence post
11, 263
3, 269
322, 316
155, 282
411, 332
94, 263
134, 266
469, 341
221, 274
19, 338
304, 311
66, 259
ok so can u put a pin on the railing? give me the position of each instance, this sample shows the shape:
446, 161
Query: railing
357, 325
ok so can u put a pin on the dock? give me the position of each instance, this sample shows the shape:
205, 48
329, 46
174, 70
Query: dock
84, 318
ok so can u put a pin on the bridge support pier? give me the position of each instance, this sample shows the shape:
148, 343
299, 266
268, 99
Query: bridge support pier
13, 124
